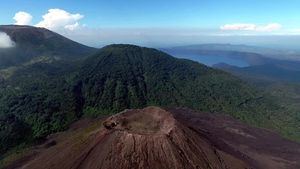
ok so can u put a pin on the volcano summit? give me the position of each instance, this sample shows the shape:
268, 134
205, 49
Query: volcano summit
163, 139
147, 138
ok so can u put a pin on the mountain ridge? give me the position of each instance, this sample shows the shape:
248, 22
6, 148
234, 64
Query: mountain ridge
31, 42
265, 72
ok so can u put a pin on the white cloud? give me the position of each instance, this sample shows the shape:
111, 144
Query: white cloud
269, 27
72, 27
5, 41
239, 26
22, 18
58, 19
251, 27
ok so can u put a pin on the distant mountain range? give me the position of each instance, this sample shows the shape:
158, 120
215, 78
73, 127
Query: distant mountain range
253, 55
270, 72
263, 63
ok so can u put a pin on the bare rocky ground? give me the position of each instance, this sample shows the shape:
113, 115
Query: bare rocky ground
261, 148
155, 138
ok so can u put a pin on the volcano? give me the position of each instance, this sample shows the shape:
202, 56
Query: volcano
147, 138
32, 43
165, 139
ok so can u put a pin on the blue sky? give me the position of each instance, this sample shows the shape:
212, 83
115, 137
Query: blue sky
131, 20
167, 13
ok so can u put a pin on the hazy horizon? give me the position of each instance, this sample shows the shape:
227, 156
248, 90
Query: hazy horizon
163, 23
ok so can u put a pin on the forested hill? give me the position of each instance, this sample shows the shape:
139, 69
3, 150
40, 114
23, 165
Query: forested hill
32, 42
121, 76
45, 97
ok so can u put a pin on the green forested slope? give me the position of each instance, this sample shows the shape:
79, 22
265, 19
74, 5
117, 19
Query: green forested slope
42, 98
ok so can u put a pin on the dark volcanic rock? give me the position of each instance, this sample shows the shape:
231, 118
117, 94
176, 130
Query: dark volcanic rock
261, 148
146, 139
154, 138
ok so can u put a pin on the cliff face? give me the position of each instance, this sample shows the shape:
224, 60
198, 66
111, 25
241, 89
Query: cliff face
145, 139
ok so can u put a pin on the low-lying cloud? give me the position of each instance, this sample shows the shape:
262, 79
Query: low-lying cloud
251, 27
5, 41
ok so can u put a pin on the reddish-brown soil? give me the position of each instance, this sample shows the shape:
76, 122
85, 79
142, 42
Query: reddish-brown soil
155, 138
